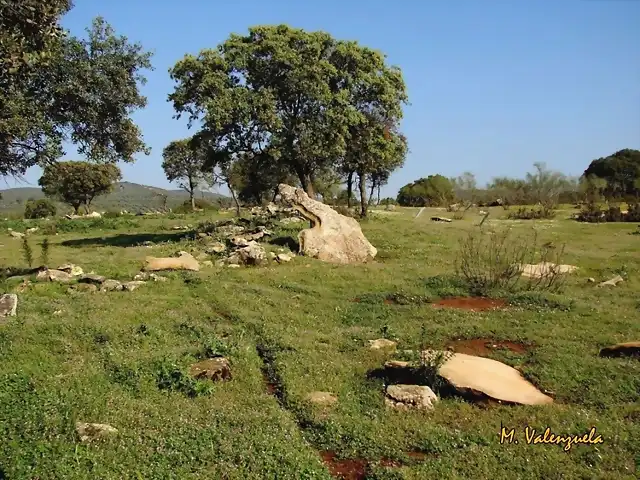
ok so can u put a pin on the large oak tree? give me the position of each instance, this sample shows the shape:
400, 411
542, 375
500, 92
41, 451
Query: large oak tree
57, 88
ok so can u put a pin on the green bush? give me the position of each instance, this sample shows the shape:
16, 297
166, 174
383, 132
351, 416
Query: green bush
201, 204
524, 213
64, 225
39, 209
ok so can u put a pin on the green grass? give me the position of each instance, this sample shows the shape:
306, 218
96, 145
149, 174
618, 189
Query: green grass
121, 358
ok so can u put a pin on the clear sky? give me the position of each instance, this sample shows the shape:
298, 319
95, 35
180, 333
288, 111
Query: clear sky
494, 85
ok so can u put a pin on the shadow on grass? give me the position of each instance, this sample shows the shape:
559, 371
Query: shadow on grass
126, 239
288, 242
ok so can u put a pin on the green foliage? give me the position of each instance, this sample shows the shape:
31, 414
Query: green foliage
200, 204
81, 225
184, 162
305, 97
525, 213
27, 251
57, 88
433, 191
42, 208
621, 171
592, 213
78, 183
45, 248
172, 378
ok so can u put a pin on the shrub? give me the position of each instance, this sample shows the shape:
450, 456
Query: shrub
592, 213
39, 209
201, 204
524, 213
347, 212
27, 251
490, 261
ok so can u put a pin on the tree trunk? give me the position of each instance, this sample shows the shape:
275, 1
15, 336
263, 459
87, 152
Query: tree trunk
235, 199
373, 186
192, 199
76, 208
363, 194
378, 203
349, 189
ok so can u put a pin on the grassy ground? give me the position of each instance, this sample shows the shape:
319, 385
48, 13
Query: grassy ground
97, 358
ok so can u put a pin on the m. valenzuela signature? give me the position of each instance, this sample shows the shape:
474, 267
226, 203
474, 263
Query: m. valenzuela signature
532, 437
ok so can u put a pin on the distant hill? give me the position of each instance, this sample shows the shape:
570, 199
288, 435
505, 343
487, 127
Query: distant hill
132, 197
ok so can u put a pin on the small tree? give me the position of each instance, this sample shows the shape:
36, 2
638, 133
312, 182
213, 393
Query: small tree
78, 183
42, 208
183, 162
435, 190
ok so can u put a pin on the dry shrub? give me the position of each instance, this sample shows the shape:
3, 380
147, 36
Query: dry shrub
491, 261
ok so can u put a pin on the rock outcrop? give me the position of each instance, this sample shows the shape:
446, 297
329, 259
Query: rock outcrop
333, 237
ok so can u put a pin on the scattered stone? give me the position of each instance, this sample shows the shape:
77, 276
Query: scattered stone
219, 263
591, 280
16, 234
612, 282
214, 369
202, 235
482, 212
283, 257
207, 263
397, 364
544, 269
290, 220
321, 398
84, 287
71, 269
31, 230
202, 256
93, 431
229, 230
410, 396
8, 305
216, 248
333, 237
57, 312
54, 276
184, 262
111, 286
234, 265
240, 241
272, 255
93, 215
131, 286
628, 349
441, 219
382, 344
92, 278
179, 227
471, 374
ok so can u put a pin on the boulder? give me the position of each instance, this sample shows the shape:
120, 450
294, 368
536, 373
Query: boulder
628, 349
54, 276
84, 287
93, 431
8, 305
111, 286
471, 374
410, 396
215, 248
131, 286
92, 278
183, 262
283, 257
16, 234
333, 237
214, 369
290, 220
71, 269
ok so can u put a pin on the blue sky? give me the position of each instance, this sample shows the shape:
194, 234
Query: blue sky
494, 85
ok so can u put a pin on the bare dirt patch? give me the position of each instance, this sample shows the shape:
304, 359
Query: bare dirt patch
474, 304
482, 347
348, 469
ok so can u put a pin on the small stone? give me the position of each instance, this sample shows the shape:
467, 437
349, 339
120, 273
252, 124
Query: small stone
57, 312
16, 234
8, 305
382, 344
283, 257
233, 265
216, 248
240, 242
613, 282
272, 255
207, 263
157, 278
111, 286
92, 278
84, 287
321, 398
202, 256
93, 431
131, 286
397, 364
410, 396
202, 235
591, 280
214, 369
142, 276
71, 269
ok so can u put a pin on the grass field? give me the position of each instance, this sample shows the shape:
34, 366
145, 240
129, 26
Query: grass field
97, 357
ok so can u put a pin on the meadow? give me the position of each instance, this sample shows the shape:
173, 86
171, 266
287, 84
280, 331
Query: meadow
122, 358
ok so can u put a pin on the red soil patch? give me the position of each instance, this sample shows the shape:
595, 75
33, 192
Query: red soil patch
474, 304
269, 385
350, 469
417, 456
482, 347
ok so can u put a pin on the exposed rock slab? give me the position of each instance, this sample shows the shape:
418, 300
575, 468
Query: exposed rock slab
71, 269
612, 282
183, 262
410, 396
471, 374
441, 219
8, 305
382, 344
111, 286
93, 431
333, 237
92, 278
55, 276
627, 349
321, 398
545, 269
214, 369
